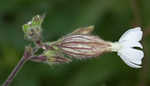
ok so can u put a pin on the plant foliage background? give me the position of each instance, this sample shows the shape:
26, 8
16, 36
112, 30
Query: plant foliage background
111, 19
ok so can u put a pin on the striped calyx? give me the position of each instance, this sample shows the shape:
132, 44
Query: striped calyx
83, 46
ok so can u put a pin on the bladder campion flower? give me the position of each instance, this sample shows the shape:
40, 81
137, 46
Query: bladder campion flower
84, 45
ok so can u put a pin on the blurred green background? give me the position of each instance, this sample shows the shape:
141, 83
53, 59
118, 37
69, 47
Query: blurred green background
111, 19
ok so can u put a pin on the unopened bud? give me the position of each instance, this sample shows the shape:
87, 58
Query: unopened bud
58, 60
40, 58
33, 28
83, 46
53, 57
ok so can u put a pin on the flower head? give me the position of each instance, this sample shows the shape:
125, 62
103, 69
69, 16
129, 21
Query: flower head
81, 44
126, 47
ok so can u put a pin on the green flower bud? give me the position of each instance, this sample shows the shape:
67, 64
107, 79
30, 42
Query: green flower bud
33, 29
54, 57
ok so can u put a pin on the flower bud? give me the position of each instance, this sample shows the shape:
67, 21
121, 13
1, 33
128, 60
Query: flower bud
53, 57
40, 58
83, 46
32, 29
58, 60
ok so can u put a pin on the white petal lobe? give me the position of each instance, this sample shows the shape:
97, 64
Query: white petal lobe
130, 44
127, 61
134, 34
133, 55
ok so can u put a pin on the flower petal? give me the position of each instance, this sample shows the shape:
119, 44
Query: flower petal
134, 34
131, 57
127, 61
129, 44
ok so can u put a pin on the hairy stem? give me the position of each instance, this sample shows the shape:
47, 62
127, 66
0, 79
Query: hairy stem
15, 71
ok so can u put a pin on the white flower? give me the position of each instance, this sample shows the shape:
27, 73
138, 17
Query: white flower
125, 47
